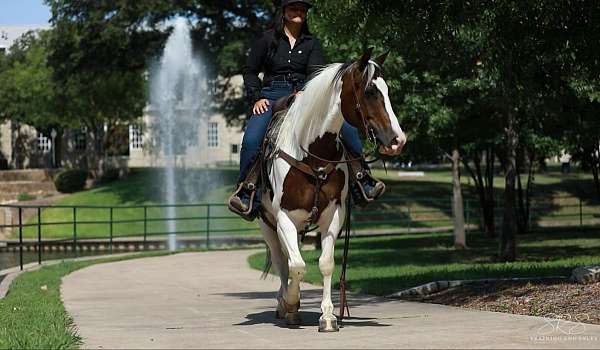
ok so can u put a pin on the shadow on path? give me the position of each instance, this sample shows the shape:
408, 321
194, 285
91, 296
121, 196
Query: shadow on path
309, 319
311, 300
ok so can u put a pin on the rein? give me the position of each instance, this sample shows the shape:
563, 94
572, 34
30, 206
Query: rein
341, 161
343, 299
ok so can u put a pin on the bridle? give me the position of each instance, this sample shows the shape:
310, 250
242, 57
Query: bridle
369, 132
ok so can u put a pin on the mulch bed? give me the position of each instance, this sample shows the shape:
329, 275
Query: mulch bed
556, 299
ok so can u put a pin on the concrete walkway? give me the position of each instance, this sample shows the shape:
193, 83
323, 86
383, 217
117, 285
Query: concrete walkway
214, 300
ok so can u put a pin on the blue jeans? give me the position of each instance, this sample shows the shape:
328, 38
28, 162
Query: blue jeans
258, 124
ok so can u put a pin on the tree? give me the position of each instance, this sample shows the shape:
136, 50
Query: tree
26, 90
27, 94
103, 38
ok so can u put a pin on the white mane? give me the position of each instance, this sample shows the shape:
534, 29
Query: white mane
315, 108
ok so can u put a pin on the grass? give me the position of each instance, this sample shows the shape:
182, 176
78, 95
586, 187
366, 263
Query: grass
33, 316
384, 265
409, 201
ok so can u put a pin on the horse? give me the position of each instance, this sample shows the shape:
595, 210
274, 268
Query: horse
308, 139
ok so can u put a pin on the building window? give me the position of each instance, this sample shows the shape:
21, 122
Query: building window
135, 137
234, 148
81, 139
43, 142
213, 134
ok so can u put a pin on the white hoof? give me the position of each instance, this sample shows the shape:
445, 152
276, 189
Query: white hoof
328, 324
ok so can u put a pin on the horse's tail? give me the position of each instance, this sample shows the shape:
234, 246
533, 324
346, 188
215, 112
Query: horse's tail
268, 264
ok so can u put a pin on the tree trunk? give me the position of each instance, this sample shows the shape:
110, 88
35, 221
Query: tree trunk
596, 168
94, 155
460, 240
490, 200
485, 188
57, 149
596, 180
524, 195
508, 235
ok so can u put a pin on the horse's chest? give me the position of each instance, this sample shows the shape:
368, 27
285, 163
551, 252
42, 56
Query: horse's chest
299, 190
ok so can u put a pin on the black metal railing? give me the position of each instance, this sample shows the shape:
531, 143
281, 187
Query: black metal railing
146, 224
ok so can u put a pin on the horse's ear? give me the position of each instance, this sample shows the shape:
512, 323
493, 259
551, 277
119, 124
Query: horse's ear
379, 60
364, 60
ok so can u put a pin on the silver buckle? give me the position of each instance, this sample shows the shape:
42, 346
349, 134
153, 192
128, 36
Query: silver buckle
321, 174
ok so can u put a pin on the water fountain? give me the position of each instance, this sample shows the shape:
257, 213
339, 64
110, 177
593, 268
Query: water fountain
177, 95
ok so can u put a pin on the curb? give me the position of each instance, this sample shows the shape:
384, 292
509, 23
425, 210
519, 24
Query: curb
439, 286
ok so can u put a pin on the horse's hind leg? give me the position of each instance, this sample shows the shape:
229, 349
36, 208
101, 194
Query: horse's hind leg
279, 263
328, 321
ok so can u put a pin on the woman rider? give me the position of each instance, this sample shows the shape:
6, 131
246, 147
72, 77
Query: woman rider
288, 54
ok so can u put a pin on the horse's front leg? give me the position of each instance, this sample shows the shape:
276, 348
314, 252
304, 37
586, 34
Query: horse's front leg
288, 237
328, 321
280, 264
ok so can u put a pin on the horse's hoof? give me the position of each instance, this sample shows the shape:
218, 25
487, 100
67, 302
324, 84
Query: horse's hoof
284, 308
293, 318
328, 324
279, 313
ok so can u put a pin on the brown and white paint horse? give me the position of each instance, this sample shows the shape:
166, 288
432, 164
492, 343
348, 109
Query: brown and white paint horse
354, 92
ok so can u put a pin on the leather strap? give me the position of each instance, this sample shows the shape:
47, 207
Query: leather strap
319, 173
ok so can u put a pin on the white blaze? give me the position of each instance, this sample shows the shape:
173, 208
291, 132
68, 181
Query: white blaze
382, 86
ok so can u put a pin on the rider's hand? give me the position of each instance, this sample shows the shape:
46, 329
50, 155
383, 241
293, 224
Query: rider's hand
260, 106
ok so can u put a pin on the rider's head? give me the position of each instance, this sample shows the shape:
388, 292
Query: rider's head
295, 11
291, 13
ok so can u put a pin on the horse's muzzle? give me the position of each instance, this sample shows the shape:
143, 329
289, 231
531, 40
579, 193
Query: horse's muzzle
394, 147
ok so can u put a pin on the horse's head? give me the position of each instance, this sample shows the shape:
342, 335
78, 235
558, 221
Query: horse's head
366, 105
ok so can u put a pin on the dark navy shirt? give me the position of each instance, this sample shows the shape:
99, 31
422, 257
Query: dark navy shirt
283, 62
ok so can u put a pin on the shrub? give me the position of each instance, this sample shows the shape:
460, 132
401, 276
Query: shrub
24, 196
69, 181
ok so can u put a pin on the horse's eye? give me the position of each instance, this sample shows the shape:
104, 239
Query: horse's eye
370, 90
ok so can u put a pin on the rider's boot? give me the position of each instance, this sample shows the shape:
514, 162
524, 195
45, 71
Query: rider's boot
244, 201
365, 188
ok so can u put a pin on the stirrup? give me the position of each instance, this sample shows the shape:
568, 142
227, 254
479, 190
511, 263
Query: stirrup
236, 205
359, 195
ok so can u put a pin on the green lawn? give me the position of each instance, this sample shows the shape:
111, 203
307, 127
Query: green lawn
383, 265
33, 316
425, 201
409, 202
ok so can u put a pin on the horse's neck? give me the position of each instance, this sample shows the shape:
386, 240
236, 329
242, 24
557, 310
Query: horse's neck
330, 124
